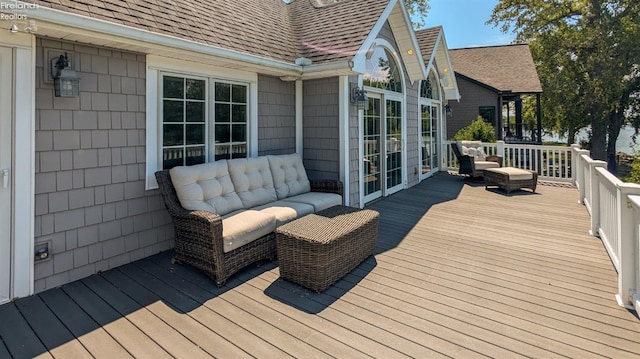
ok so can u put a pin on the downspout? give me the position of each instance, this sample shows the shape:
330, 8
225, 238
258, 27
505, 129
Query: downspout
299, 119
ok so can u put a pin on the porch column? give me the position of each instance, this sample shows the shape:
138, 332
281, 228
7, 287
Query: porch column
518, 106
539, 118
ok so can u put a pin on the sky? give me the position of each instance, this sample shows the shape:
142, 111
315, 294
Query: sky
464, 23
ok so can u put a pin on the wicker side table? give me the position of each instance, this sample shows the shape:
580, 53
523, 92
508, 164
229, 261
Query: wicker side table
318, 249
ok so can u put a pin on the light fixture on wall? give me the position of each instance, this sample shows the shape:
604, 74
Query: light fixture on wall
65, 80
448, 111
359, 97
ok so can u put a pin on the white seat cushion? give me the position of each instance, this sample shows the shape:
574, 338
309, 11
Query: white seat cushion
289, 175
483, 165
514, 174
252, 180
206, 187
474, 149
318, 200
285, 211
244, 227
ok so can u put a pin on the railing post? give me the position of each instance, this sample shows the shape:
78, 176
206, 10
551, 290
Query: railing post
574, 162
580, 169
594, 199
500, 149
628, 274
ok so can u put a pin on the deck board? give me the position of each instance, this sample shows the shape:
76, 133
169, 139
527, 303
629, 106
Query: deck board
459, 271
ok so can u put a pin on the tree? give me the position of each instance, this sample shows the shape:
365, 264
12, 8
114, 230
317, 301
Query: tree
587, 54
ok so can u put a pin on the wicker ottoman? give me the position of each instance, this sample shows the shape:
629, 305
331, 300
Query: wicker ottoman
510, 178
318, 249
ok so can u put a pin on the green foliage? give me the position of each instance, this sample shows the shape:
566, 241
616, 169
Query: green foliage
478, 130
586, 54
634, 176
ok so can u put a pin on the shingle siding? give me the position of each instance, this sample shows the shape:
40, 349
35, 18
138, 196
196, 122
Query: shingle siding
320, 128
467, 109
90, 199
276, 116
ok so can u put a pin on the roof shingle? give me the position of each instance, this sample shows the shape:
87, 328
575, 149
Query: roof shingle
267, 28
505, 68
427, 39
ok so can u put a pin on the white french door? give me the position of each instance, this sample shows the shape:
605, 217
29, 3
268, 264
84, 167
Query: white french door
383, 149
429, 138
6, 114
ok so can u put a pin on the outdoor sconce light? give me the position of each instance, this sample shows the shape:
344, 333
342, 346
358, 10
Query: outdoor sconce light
448, 111
65, 81
359, 97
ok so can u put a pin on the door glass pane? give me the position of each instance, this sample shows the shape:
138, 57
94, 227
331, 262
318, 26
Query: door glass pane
425, 116
435, 142
372, 149
394, 143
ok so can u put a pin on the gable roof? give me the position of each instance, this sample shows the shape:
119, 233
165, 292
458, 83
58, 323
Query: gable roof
333, 32
436, 55
507, 68
266, 33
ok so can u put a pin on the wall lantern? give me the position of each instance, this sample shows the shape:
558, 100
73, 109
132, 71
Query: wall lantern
65, 81
359, 97
448, 111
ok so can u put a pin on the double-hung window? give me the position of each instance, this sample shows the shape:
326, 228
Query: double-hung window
202, 120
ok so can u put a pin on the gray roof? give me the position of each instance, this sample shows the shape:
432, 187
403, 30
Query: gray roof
267, 28
504, 68
427, 39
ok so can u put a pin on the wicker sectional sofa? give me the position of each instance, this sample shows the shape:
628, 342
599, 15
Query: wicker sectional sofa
225, 212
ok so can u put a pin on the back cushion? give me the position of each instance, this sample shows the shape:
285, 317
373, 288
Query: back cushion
473, 149
206, 187
289, 175
252, 180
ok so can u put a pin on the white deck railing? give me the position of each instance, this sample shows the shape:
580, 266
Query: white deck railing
550, 162
614, 206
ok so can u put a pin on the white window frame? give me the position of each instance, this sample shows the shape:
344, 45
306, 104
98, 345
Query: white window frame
158, 66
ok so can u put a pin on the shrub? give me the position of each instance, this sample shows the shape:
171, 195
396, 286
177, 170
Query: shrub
478, 130
634, 175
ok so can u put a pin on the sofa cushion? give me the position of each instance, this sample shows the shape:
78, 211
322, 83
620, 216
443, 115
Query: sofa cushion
285, 211
289, 175
252, 180
206, 187
244, 227
319, 200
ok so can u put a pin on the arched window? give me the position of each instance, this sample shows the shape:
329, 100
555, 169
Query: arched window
430, 88
382, 71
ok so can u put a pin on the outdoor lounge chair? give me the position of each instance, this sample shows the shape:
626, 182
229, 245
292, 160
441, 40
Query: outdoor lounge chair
472, 159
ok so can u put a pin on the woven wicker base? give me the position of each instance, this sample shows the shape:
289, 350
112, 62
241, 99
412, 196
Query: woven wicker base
318, 249
494, 178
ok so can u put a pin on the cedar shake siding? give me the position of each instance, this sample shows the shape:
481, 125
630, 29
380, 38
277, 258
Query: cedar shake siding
320, 128
354, 150
276, 116
467, 110
91, 203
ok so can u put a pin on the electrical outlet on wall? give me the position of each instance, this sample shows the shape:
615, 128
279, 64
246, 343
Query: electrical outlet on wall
41, 252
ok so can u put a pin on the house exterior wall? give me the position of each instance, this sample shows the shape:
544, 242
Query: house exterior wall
91, 203
276, 116
321, 134
467, 109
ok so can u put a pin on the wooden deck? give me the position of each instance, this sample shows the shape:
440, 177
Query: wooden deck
460, 271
